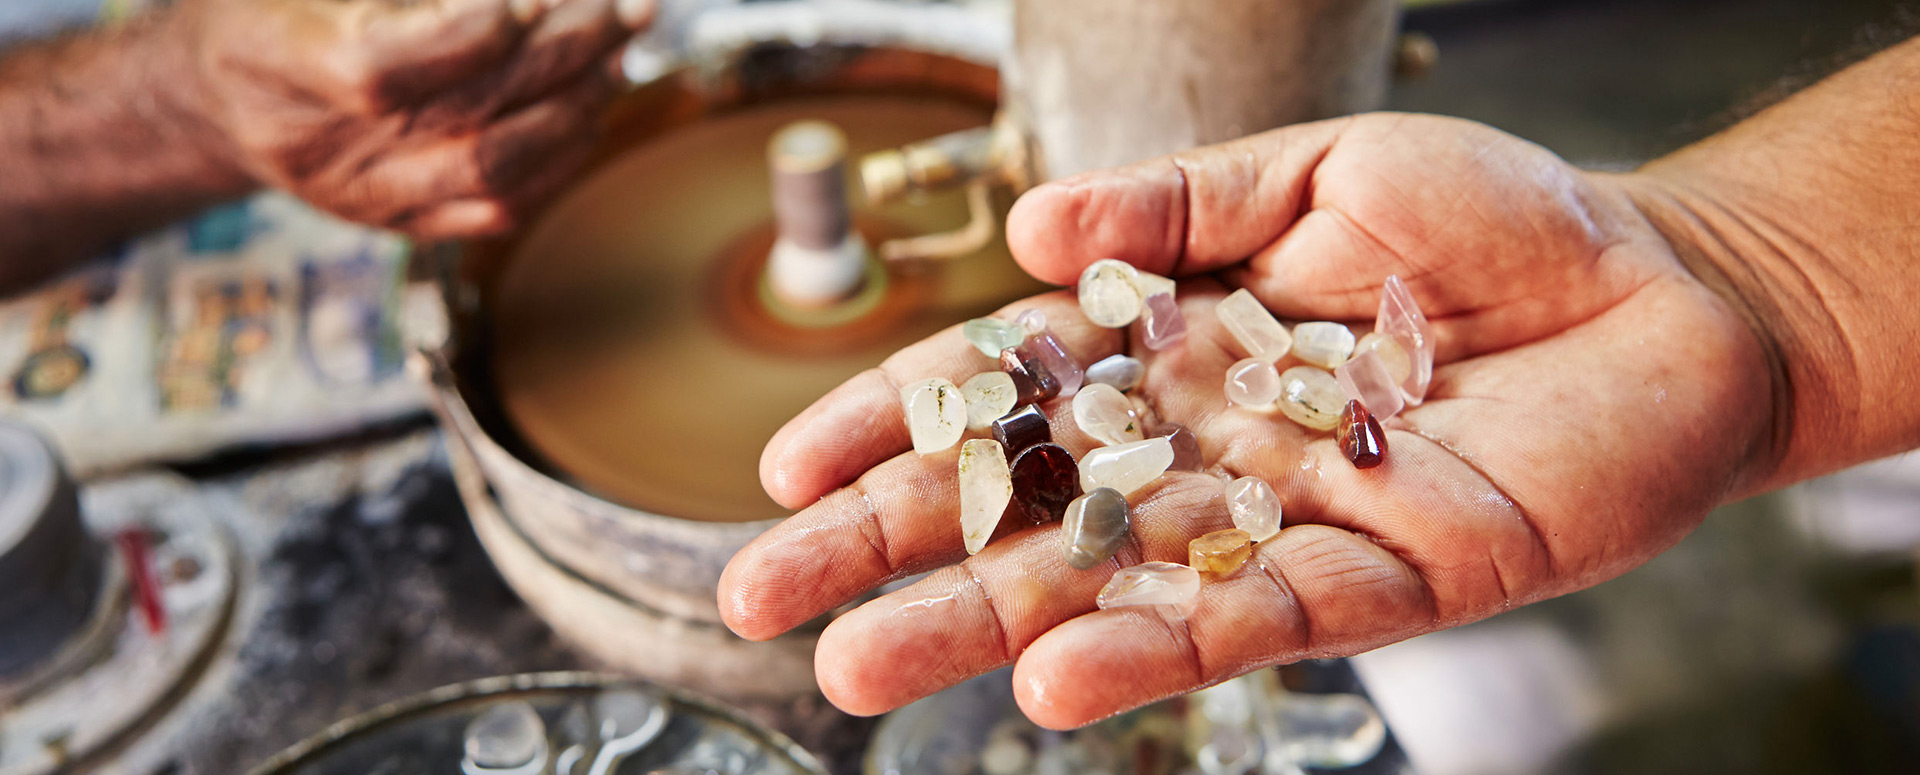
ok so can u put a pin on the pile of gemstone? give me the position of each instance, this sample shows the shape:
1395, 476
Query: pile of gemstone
1021, 466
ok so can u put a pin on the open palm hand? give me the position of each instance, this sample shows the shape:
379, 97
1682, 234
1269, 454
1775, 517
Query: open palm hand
1591, 401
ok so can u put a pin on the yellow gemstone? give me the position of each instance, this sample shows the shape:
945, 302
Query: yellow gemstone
1220, 552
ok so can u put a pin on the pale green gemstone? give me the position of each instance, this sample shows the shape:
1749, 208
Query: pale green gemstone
1322, 344
1311, 397
990, 395
991, 335
936, 414
1106, 414
986, 487
1126, 467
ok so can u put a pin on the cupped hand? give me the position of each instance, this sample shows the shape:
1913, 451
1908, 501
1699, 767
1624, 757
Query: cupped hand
1592, 401
438, 118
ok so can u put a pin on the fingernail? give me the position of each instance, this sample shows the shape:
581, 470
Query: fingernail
634, 13
524, 10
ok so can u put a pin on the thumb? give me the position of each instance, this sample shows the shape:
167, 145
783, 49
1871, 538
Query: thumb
1188, 213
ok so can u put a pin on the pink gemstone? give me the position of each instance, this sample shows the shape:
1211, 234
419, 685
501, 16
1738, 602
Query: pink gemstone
1366, 379
1400, 318
1041, 345
1164, 326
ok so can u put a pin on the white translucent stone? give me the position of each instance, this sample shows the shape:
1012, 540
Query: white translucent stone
1151, 583
1401, 318
1398, 363
1121, 371
1106, 414
1033, 320
991, 335
986, 487
1110, 293
1126, 467
1322, 344
936, 414
990, 395
1367, 380
1151, 284
1253, 383
1311, 397
1253, 326
1255, 507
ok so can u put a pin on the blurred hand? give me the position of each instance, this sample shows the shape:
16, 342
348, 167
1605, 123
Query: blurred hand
1593, 401
439, 118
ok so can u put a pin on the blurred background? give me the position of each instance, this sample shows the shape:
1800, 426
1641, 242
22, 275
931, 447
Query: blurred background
281, 493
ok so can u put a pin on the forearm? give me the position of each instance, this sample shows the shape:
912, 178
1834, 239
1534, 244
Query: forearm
101, 136
1806, 217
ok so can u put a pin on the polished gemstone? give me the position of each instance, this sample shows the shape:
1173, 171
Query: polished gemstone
1045, 480
936, 414
1253, 383
1126, 467
1322, 343
1121, 371
1106, 414
1366, 379
1152, 285
1311, 397
1399, 364
1162, 324
986, 486
1021, 429
1033, 382
1045, 347
1095, 527
1151, 583
990, 395
991, 335
1110, 293
1401, 319
1253, 326
1186, 446
1033, 320
1255, 507
1220, 552
1361, 438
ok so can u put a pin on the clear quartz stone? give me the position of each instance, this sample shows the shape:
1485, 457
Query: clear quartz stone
1398, 363
1033, 320
990, 395
506, 736
986, 487
1162, 324
1110, 293
936, 414
1311, 397
1121, 371
1126, 467
1095, 527
1322, 343
1106, 414
1253, 383
1253, 326
1151, 583
1255, 507
991, 335
1401, 319
1152, 285
1367, 380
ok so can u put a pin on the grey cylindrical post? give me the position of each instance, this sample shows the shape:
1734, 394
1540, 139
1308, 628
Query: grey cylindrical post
807, 159
1103, 83
50, 566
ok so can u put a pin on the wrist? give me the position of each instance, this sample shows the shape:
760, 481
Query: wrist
1747, 261
184, 101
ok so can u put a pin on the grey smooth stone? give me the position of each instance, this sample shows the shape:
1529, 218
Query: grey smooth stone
1123, 372
1095, 527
